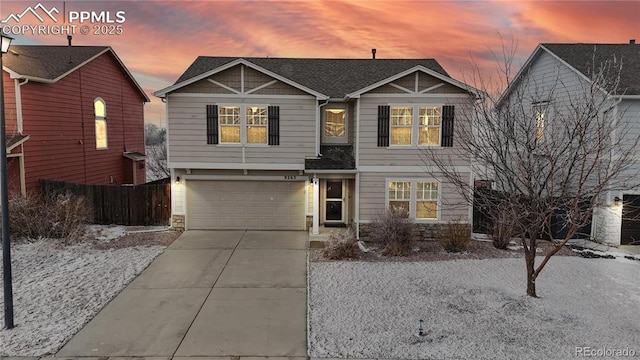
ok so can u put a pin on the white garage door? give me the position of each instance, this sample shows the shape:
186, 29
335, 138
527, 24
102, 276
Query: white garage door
257, 205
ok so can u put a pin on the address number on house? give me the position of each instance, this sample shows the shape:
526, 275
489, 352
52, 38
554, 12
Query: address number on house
290, 177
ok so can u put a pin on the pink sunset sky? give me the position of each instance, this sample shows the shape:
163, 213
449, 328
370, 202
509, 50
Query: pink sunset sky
160, 39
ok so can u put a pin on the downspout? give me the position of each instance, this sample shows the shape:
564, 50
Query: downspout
357, 197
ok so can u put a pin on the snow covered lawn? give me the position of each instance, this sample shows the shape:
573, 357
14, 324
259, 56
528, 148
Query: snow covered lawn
473, 309
58, 289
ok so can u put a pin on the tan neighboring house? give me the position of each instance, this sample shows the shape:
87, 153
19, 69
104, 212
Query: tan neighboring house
290, 143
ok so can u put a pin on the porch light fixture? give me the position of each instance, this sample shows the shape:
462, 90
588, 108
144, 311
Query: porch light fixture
178, 180
617, 201
4, 201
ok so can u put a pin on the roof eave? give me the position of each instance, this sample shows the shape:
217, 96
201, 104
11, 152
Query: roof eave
451, 81
163, 92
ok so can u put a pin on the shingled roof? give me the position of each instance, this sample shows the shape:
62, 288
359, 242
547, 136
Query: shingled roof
50, 63
332, 77
583, 56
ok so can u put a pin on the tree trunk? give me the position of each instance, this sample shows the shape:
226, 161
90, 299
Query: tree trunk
530, 258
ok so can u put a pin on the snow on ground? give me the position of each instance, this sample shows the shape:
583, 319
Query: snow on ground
57, 290
473, 309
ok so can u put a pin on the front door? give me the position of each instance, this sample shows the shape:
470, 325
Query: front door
334, 203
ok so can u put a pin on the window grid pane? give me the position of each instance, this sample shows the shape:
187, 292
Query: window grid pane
257, 116
429, 121
229, 115
256, 134
400, 190
426, 200
256, 120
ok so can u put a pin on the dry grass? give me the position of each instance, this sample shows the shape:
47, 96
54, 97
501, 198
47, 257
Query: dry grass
55, 216
395, 231
163, 238
341, 245
433, 251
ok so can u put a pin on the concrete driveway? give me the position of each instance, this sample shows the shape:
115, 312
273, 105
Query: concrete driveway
222, 294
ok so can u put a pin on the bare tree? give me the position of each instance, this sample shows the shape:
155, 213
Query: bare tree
156, 151
554, 150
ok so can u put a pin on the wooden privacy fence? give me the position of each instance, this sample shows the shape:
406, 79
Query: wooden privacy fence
484, 213
147, 204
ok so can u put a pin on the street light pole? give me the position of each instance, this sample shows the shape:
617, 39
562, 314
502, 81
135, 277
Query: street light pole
4, 201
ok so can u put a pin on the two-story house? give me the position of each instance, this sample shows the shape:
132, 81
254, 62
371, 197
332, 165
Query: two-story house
73, 113
559, 80
291, 143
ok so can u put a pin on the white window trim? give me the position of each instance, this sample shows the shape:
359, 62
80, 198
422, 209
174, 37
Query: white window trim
243, 125
415, 134
413, 197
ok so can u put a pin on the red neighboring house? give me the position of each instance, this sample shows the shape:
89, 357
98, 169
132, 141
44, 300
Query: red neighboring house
73, 113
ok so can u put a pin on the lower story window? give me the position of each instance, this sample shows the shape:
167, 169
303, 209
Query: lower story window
418, 197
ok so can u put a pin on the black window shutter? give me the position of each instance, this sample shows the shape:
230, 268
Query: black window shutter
274, 125
447, 125
212, 124
383, 125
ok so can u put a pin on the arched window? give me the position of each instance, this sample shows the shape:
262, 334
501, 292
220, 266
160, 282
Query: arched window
100, 112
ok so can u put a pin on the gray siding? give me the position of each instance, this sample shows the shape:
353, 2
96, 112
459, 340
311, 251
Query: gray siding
373, 196
187, 132
372, 155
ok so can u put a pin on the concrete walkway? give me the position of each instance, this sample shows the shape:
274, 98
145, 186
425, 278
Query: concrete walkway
212, 294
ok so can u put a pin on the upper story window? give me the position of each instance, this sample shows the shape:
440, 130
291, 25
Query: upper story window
229, 124
415, 125
100, 114
257, 124
243, 124
540, 117
335, 125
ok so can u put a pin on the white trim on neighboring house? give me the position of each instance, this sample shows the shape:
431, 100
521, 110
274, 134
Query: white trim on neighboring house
409, 169
18, 93
421, 68
235, 166
239, 61
106, 49
532, 58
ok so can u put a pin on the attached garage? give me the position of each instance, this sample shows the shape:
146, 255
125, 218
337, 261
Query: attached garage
253, 205
630, 231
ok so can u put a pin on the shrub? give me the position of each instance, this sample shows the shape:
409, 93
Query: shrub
503, 230
395, 231
341, 245
54, 216
455, 236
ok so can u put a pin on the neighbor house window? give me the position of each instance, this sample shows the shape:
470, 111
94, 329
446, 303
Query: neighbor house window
256, 124
540, 118
415, 125
335, 123
229, 124
100, 113
418, 197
